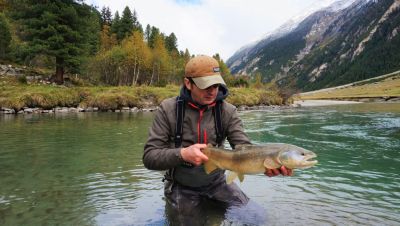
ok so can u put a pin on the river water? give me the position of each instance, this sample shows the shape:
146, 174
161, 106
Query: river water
86, 169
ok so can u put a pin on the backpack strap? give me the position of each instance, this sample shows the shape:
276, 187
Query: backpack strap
180, 115
218, 122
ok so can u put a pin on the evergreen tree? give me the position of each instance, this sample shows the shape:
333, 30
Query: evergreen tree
54, 28
147, 33
106, 16
154, 33
136, 25
126, 24
116, 24
171, 42
92, 34
5, 36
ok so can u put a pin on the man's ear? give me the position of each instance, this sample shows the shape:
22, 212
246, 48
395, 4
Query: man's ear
187, 83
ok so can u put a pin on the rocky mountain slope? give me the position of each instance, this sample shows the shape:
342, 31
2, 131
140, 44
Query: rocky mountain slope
347, 41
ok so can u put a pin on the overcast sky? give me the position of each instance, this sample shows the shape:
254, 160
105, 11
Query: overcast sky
213, 26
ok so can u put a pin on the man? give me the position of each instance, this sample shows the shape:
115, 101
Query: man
203, 117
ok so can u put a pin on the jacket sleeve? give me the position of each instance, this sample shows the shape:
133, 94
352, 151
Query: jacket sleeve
234, 130
158, 154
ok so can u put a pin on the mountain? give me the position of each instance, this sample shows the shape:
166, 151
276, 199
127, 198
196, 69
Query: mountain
347, 41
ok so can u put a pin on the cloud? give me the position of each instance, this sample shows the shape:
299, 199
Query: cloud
212, 26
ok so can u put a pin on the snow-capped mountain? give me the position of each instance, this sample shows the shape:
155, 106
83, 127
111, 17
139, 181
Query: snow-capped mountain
333, 34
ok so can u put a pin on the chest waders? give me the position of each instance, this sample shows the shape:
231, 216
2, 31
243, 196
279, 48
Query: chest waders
180, 115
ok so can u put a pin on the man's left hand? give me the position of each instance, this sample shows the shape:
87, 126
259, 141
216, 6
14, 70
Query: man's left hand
282, 170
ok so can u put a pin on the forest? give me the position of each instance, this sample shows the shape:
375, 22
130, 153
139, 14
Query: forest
72, 39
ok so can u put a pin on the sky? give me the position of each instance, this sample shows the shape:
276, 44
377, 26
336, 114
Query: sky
213, 26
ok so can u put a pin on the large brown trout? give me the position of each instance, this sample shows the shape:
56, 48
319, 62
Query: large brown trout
255, 159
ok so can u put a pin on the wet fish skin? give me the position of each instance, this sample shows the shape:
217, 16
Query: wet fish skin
255, 159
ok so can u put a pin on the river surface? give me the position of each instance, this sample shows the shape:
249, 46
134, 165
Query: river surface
86, 169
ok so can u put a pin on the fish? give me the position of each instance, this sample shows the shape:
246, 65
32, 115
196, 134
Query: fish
255, 159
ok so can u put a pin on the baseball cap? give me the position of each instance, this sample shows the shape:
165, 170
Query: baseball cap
204, 71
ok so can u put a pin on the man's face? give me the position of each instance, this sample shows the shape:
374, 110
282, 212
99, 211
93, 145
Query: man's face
202, 96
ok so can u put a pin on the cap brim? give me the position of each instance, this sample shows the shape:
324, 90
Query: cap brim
207, 81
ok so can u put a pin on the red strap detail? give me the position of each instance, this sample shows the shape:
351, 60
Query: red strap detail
201, 111
198, 125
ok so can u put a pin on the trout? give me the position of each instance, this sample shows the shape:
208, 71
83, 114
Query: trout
255, 159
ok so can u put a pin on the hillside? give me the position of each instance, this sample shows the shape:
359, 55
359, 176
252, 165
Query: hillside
330, 47
382, 88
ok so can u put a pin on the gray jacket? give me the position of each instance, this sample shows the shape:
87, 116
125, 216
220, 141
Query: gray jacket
160, 152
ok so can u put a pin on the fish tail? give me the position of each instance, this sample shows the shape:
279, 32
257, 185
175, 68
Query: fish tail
231, 177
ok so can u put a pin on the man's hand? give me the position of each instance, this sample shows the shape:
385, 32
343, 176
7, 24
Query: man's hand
275, 172
194, 155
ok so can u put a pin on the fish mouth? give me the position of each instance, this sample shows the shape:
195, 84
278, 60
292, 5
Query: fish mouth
309, 161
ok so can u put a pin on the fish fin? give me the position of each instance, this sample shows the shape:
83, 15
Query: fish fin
271, 164
231, 177
241, 177
209, 166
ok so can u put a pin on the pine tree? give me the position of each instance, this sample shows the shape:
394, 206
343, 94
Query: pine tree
147, 33
154, 33
136, 25
54, 28
126, 24
171, 42
5, 37
106, 16
116, 24
93, 28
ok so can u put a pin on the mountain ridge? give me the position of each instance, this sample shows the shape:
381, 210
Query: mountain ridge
329, 47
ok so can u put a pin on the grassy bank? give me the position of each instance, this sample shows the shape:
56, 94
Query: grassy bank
17, 96
386, 88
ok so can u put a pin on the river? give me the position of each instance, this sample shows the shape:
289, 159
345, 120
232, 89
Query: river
86, 169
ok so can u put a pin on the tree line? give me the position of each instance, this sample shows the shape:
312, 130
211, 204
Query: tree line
107, 48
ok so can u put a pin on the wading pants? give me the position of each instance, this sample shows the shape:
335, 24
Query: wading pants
185, 205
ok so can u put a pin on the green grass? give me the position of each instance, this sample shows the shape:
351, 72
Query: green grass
16, 96
389, 87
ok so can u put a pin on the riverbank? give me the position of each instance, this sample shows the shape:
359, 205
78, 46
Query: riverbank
315, 103
385, 88
49, 98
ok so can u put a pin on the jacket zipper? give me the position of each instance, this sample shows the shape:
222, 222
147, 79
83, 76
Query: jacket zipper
201, 139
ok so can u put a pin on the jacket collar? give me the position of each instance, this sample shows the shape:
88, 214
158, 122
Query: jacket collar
185, 94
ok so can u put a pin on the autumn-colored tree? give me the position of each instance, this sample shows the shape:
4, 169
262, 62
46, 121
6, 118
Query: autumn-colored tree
161, 61
107, 39
225, 72
138, 56
257, 81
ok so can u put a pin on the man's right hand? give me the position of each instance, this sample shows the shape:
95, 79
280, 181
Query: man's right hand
194, 155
